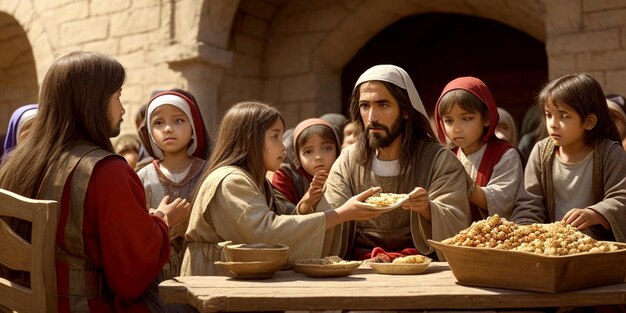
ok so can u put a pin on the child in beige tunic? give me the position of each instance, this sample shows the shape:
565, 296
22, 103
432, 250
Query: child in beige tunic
235, 201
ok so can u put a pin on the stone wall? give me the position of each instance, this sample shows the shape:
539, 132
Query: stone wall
588, 36
289, 53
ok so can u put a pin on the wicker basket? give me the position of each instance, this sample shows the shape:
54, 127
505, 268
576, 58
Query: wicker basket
487, 267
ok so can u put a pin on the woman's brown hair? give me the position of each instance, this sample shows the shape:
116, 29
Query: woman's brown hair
73, 105
241, 138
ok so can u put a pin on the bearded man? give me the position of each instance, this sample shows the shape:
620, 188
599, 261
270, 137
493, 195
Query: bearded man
398, 151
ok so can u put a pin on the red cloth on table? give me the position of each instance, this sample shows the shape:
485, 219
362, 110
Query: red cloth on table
380, 253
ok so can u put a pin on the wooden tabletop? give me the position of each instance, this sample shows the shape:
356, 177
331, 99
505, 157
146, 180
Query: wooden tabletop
366, 290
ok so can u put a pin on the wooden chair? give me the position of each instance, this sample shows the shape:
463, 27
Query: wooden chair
36, 257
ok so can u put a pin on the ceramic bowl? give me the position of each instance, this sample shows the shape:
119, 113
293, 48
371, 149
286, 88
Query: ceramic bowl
255, 252
251, 270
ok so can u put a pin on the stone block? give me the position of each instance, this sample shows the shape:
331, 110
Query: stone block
138, 4
260, 9
246, 66
325, 19
249, 45
601, 60
67, 13
563, 16
297, 88
100, 7
9, 6
108, 46
24, 13
288, 25
134, 43
290, 112
238, 89
584, 42
51, 4
271, 89
308, 109
134, 93
254, 26
561, 64
288, 55
604, 19
135, 21
615, 81
600, 5
132, 60
74, 32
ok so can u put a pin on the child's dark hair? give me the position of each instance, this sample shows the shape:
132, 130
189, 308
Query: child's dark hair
467, 101
323, 131
583, 94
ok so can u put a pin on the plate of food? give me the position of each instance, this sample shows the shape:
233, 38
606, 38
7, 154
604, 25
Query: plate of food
332, 266
408, 265
386, 201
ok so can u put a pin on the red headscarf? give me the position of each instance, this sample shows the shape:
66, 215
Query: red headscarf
480, 90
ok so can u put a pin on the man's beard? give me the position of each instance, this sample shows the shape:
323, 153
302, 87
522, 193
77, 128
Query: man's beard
376, 140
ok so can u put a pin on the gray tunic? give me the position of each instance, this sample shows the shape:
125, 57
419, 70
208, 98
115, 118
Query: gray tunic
439, 172
536, 203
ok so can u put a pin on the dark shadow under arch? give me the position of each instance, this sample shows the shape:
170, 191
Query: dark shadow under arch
435, 48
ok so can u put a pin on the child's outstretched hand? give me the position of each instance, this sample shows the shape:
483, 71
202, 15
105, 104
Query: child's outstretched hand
312, 197
585, 218
174, 212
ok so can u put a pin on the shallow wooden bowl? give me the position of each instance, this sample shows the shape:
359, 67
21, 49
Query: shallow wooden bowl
254, 252
252, 270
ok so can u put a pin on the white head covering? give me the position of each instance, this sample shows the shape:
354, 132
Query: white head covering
397, 76
179, 103
506, 117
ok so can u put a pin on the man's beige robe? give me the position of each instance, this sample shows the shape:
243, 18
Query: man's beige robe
439, 172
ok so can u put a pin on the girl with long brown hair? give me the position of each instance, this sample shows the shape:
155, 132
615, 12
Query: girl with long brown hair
235, 202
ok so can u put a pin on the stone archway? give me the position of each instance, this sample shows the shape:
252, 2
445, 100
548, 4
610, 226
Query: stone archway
310, 44
18, 75
435, 48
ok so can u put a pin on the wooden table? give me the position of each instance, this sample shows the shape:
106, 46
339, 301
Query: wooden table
365, 290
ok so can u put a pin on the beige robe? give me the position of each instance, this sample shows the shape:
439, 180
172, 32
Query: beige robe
230, 206
439, 172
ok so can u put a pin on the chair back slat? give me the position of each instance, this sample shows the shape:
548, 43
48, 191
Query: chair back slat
16, 297
15, 252
36, 257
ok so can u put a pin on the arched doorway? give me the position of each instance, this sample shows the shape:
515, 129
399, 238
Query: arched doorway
435, 48
18, 74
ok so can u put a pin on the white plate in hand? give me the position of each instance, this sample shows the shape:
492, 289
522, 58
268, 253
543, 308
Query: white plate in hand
386, 201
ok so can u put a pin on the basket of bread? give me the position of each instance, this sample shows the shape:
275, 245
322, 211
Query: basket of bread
552, 257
